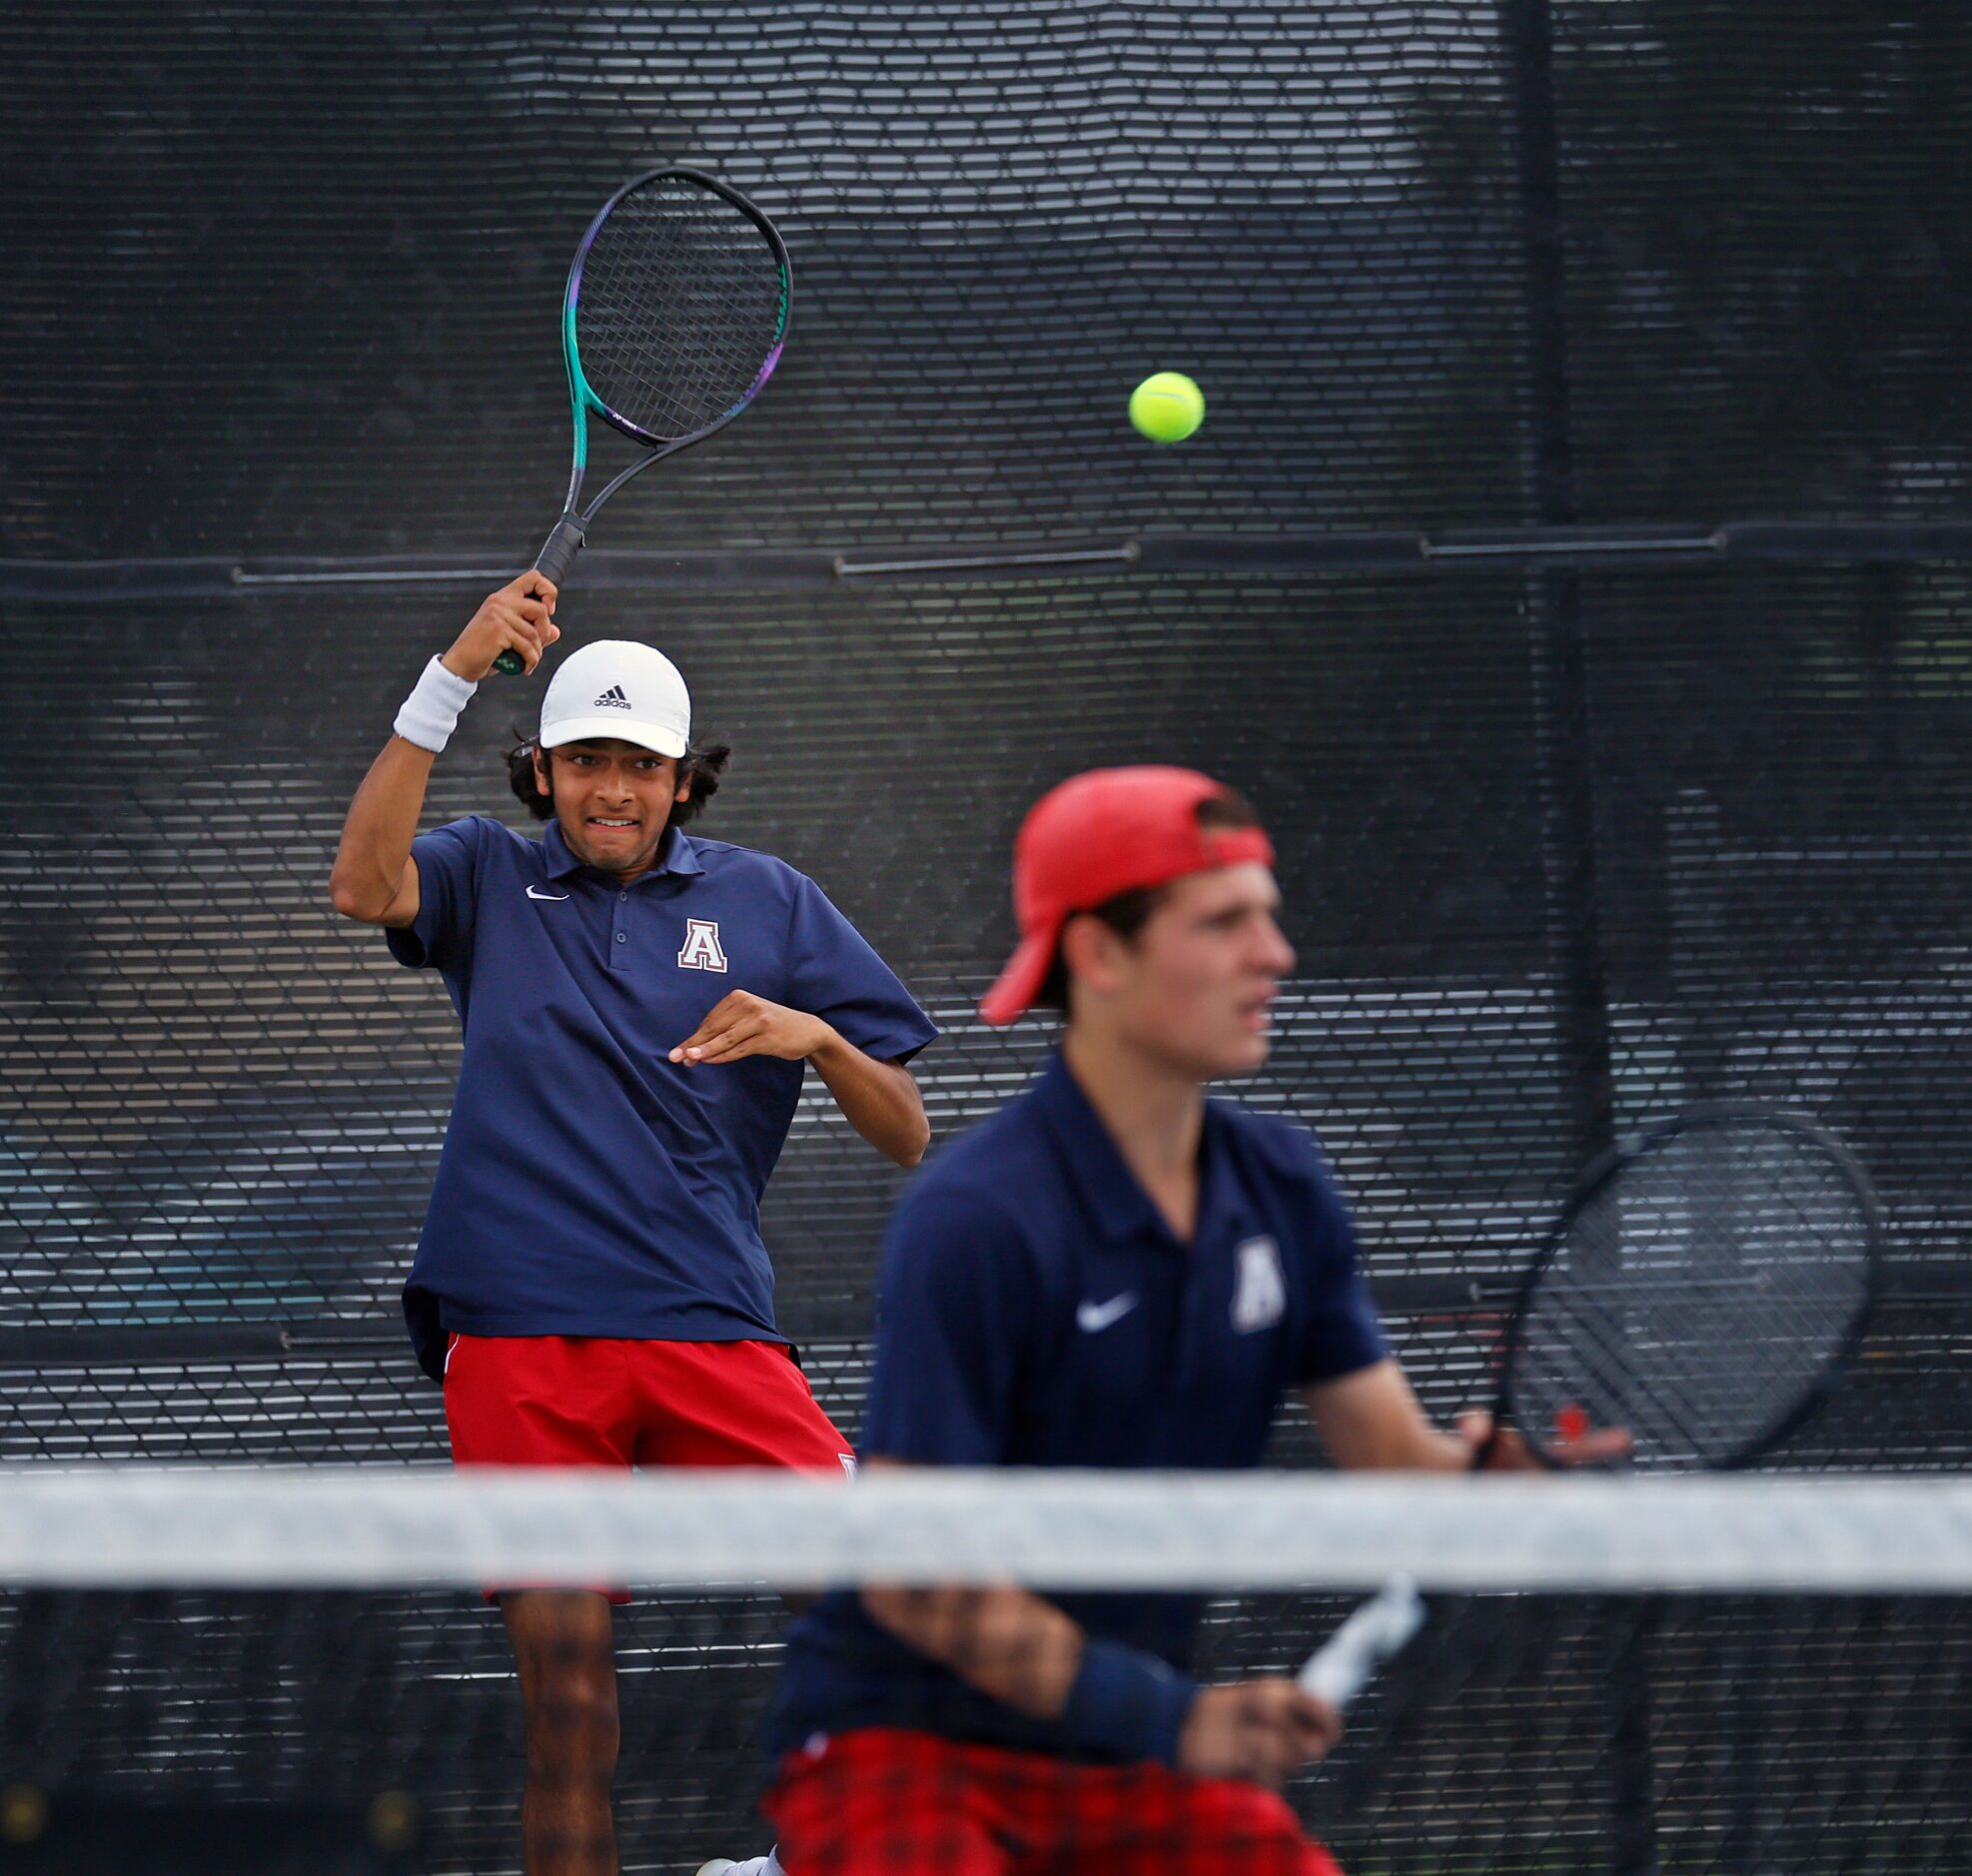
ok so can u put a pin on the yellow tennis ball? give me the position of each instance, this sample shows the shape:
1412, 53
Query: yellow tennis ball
1167, 407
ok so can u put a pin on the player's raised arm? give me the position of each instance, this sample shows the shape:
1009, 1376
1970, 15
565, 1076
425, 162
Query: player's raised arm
375, 879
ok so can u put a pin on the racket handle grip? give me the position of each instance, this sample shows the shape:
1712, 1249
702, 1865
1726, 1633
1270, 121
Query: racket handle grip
558, 554
1340, 1669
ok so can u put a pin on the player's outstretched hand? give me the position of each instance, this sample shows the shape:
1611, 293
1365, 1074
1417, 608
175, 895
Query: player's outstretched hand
1497, 1449
741, 1024
1264, 1729
519, 618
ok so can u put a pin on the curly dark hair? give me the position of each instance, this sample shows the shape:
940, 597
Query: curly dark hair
1128, 912
702, 765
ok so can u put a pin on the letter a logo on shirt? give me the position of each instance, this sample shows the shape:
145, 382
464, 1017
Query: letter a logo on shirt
1259, 1291
701, 946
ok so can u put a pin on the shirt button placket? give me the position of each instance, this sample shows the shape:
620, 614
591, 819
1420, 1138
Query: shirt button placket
619, 955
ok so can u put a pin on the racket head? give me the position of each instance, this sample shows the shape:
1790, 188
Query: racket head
676, 308
1703, 1287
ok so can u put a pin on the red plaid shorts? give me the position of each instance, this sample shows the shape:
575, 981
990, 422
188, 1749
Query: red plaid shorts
882, 1801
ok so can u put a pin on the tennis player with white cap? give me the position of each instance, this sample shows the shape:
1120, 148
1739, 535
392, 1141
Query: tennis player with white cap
640, 1006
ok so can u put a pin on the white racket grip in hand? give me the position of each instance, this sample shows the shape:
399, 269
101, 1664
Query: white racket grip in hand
1341, 1668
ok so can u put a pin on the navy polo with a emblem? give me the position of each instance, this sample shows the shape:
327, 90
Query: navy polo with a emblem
1035, 1309
589, 1186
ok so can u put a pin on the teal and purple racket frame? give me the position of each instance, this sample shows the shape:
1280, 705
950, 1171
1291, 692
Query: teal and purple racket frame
674, 318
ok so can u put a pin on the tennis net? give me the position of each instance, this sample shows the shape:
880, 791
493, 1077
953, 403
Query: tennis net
263, 1670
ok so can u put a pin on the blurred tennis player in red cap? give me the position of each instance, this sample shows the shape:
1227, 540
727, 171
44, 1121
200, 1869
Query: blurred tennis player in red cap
1113, 1271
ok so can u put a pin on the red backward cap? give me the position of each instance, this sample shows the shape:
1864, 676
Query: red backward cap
1108, 831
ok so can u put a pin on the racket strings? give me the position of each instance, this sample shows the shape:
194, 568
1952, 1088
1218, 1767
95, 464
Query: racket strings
1596, 1355
680, 311
1745, 1234
1698, 1296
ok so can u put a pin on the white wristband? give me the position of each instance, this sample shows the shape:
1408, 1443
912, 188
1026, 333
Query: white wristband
431, 714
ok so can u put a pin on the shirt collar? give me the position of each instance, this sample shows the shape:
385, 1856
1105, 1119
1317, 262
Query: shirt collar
1121, 1206
679, 855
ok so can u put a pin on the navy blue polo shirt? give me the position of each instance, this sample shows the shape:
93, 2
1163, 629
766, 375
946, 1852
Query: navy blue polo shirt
1035, 1309
589, 1186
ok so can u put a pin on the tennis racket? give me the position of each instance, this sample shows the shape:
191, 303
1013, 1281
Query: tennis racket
674, 317
1702, 1290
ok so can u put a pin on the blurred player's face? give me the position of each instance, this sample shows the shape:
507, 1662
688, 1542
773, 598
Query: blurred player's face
1193, 988
613, 801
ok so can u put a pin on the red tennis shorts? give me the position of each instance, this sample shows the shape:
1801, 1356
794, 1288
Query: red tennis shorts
882, 1801
600, 1400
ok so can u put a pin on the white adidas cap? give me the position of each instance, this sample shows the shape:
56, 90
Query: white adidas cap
616, 687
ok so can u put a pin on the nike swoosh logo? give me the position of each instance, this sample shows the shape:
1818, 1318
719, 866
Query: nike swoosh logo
1093, 1317
553, 898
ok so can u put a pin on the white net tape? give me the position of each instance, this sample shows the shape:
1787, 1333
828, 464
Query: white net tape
350, 1529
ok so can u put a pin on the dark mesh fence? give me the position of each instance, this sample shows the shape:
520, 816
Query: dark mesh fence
1572, 567
1486, 1749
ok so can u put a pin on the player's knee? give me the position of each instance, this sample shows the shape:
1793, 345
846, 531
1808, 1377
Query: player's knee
569, 1686
573, 1727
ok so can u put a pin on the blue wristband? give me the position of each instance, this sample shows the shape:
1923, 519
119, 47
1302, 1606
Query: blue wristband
1128, 1703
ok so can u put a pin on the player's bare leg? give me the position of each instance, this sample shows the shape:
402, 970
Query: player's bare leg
565, 1648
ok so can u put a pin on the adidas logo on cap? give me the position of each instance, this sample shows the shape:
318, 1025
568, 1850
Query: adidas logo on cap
611, 700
